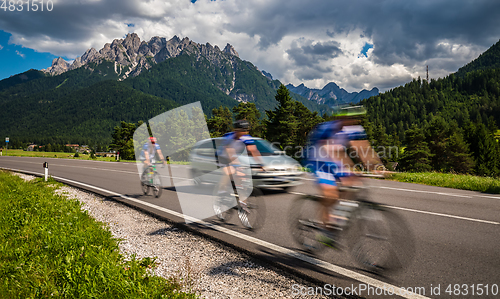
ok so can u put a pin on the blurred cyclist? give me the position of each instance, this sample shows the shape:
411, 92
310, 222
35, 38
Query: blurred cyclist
233, 145
149, 150
328, 159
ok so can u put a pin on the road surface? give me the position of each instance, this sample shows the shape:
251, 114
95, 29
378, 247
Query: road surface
457, 233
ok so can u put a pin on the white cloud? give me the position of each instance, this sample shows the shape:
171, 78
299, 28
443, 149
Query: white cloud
288, 38
20, 54
1, 47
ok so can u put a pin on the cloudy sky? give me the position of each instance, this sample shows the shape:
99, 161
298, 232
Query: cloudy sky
356, 44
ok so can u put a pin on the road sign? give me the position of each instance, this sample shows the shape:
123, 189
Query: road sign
6, 139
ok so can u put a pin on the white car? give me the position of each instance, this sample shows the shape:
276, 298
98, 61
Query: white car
278, 171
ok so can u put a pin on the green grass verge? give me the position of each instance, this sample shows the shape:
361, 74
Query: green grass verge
457, 181
21, 153
50, 248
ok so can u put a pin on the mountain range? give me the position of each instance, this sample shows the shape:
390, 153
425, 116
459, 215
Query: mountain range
131, 56
332, 94
129, 80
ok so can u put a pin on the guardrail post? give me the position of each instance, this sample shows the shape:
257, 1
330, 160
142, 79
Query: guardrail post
46, 167
170, 172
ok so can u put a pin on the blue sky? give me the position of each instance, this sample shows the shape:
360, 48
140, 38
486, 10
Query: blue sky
15, 59
358, 44
365, 49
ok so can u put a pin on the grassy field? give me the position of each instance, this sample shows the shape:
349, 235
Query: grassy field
50, 248
21, 153
457, 181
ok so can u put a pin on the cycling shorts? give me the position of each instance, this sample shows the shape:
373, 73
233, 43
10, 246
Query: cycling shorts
327, 172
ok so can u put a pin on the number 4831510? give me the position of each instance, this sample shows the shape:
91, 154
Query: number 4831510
29, 5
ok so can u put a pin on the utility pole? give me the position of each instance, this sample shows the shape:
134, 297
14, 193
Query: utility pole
427, 74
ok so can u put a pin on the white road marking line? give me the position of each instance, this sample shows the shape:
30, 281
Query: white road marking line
495, 197
317, 262
422, 191
105, 169
444, 215
431, 213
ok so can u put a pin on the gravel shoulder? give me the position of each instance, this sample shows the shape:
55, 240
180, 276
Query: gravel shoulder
206, 267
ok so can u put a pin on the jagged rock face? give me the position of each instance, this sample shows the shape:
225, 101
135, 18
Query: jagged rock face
267, 75
59, 66
230, 50
137, 56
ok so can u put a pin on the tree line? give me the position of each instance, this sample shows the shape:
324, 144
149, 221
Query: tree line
434, 143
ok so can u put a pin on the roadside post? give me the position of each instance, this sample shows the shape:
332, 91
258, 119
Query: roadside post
6, 143
46, 167
170, 171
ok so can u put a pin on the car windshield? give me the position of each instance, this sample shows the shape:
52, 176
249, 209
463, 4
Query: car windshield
265, 148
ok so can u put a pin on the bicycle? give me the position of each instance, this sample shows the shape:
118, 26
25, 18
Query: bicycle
251, 211
151, 179
377, 238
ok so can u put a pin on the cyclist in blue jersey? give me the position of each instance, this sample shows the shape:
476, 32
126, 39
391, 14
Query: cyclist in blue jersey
149, 150
327, 158
232, 146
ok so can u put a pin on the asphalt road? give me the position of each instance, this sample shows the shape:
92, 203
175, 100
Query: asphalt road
456, 232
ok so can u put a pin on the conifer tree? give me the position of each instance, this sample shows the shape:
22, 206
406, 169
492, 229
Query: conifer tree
417, 155
487, 157
437, 135
458, 155
221, 122
123, 139
249, 112
288, 124
281, 124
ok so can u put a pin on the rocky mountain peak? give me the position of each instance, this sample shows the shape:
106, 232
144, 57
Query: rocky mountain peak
331, 94
230, 50
59, 66
331, 86
132, 43
131, 55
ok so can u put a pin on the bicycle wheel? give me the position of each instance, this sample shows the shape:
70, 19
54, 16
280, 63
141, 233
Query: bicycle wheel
380, 240
304, 222
157, 186
145, 182
252, 211
223, 204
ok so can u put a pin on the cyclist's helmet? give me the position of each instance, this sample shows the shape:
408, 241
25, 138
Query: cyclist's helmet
241, 125
152, 139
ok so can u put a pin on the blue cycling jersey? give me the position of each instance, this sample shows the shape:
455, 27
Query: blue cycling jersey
317, 158
229, 139
334, 133
246, 139
150, 149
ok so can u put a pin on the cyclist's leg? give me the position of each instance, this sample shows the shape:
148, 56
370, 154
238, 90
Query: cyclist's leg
326, 181
145, 169
330, 197
347, 178
225, 179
